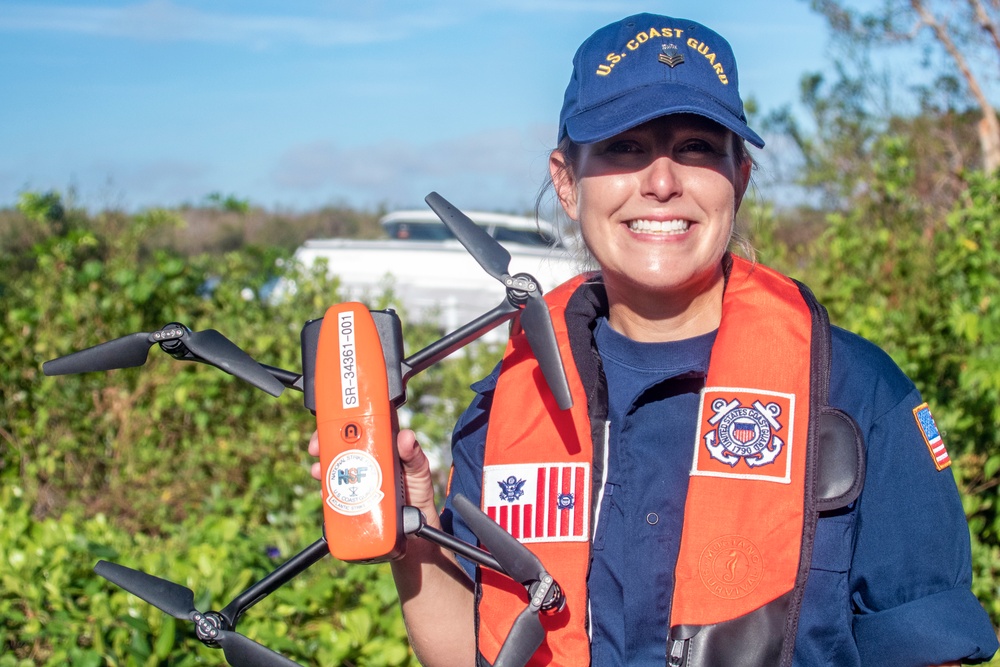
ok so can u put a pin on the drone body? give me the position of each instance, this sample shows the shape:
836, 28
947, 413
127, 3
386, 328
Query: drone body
356, 420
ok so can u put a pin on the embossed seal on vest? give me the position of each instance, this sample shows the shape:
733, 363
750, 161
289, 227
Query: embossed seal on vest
731, 566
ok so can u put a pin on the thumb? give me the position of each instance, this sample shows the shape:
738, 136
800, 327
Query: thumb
418, 483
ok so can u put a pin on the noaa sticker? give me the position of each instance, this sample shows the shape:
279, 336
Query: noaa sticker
354, 483
745, 433
731, 567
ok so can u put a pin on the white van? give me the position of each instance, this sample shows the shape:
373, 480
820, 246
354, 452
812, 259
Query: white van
431, 275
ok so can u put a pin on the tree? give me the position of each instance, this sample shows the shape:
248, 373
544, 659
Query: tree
936, 26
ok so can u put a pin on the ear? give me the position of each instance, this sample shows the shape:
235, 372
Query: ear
564, 183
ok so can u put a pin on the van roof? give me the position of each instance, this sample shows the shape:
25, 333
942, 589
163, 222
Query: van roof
481, 218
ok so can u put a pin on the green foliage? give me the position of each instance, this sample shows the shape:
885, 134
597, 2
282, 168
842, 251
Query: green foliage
174, 468
925, 288
56, 611
42, 207
230, 203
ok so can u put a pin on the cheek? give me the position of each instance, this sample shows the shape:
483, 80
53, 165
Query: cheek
722, 195
599, 196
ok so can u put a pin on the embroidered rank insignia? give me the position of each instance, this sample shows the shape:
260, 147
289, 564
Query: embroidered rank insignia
669, 55
932, 437
539, 502
745, 433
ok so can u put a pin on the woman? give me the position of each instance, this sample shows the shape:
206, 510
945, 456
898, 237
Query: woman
756, 546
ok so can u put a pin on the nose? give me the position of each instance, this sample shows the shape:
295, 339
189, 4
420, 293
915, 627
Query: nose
661, 179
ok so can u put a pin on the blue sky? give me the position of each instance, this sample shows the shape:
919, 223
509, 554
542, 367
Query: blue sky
294, 105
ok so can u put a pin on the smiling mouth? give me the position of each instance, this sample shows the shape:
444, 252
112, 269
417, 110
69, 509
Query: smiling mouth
659, 226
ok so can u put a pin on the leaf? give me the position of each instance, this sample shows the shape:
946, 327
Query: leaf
165, 640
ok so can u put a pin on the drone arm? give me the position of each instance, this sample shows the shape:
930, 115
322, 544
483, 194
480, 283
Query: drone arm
415, 524
280, 576
462, 336
290, 379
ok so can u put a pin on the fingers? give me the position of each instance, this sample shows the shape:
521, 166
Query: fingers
315, 469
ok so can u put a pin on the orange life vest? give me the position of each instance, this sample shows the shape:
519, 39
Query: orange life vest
750, 510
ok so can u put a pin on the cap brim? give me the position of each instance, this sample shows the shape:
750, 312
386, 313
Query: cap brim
645, 104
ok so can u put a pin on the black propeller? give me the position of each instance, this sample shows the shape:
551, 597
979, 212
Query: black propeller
211, 628
521, 289
527, 633
208, 346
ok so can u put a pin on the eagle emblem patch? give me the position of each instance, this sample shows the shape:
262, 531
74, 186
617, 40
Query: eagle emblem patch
512, 488
745, 433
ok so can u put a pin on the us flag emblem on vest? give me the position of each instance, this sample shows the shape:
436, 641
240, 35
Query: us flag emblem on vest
539, 502
932, 437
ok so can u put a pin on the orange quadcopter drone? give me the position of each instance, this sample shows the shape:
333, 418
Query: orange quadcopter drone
353, 379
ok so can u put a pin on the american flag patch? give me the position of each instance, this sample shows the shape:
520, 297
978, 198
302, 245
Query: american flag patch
928, 428
539, 502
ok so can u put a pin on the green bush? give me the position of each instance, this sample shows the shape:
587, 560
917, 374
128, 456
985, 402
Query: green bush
926, 289
174, 468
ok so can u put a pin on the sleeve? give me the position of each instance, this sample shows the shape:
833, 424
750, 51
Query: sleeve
468, 451
912, 569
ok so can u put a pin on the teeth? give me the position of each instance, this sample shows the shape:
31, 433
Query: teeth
659, 226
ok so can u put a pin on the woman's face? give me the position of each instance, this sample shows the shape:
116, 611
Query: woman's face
656, 204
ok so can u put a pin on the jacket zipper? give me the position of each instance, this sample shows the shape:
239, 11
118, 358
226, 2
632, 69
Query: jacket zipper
678, 653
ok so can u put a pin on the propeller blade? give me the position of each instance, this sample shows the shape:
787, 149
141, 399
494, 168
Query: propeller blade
216, 349
524, 638
166, 596
515, 558
484, 248
125, 352
537, 324
242, 651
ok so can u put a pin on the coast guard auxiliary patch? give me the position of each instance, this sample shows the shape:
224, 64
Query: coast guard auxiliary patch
745, 433
539, 502
928, 429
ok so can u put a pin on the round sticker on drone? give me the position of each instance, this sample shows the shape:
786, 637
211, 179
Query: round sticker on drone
354, 481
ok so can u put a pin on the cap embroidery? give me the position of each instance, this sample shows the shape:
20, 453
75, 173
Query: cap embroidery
633, 44
670, 56
705, 50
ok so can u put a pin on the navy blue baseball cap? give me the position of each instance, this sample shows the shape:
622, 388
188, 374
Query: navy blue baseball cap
646, 66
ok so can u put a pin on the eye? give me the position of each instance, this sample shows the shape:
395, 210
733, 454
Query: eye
623, 147
698, 146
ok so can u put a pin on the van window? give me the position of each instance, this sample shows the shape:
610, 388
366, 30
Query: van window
523, 236
418, 231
